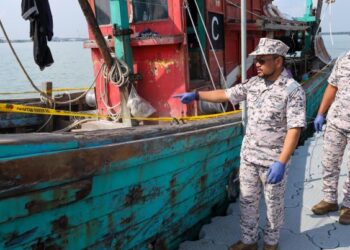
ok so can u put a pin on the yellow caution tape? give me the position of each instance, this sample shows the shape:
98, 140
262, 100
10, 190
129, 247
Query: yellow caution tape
16, 108
35, 92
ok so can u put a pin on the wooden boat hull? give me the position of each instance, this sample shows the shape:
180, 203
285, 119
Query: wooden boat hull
77, 193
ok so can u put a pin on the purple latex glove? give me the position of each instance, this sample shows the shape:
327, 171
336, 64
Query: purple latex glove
187, 97
276, 172
318, 123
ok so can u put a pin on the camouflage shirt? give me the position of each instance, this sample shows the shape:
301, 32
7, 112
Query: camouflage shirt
273, 108
339, 113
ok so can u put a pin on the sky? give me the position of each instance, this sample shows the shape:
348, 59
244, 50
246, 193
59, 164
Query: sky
68, 19
336, 16
70, 22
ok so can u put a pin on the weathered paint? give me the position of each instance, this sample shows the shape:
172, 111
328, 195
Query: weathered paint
122, 195
158, 83
162, 65
106, 185
144, 212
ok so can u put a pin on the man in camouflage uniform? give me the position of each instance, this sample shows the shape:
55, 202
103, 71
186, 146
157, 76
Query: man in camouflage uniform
337, 135
276, 114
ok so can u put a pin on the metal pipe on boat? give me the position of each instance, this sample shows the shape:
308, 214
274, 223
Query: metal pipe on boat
244, 56
90, 99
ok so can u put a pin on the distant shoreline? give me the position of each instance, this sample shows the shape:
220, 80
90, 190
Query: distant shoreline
55, 39
336, 33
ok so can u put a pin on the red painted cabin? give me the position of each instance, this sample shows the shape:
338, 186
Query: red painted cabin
171, 62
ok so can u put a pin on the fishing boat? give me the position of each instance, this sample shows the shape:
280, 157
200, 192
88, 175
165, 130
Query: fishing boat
150, 182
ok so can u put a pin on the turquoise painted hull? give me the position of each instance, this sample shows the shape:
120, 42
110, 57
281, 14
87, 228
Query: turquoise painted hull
140, 188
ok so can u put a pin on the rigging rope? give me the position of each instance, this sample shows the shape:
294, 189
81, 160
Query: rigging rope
104, 98
330, 23
118, 75
210, 43
201, 47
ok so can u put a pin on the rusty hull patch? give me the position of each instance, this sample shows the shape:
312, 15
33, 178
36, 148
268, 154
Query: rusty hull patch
35, 206
203, 181
134, 196
61, 197
61, 224
128, 220
84, 189
137, 195
173, 191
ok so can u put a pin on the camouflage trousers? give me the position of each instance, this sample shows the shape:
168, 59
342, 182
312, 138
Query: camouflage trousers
335, 141
253, 181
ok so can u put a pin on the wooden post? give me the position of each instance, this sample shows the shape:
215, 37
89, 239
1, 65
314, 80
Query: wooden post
101, 42
47, 88
120, 18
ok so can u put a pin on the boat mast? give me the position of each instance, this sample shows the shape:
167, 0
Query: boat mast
120, 19
244, 57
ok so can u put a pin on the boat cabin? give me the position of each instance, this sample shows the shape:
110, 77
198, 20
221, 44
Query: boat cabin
171, 51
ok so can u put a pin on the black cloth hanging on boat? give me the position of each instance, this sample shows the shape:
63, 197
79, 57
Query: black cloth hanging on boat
38, 12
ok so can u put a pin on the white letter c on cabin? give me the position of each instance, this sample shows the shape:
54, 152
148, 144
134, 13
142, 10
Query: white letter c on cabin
215, 20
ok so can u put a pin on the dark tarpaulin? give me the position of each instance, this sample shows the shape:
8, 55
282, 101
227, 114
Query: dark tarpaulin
38, 12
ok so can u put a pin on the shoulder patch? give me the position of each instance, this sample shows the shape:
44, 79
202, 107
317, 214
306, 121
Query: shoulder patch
292, 85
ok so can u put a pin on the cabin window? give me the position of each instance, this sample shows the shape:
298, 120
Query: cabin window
149, 10
103, 12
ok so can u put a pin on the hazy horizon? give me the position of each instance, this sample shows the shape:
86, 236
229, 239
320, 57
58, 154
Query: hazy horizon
70, 22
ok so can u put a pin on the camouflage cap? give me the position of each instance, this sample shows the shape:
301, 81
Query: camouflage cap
269, 46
